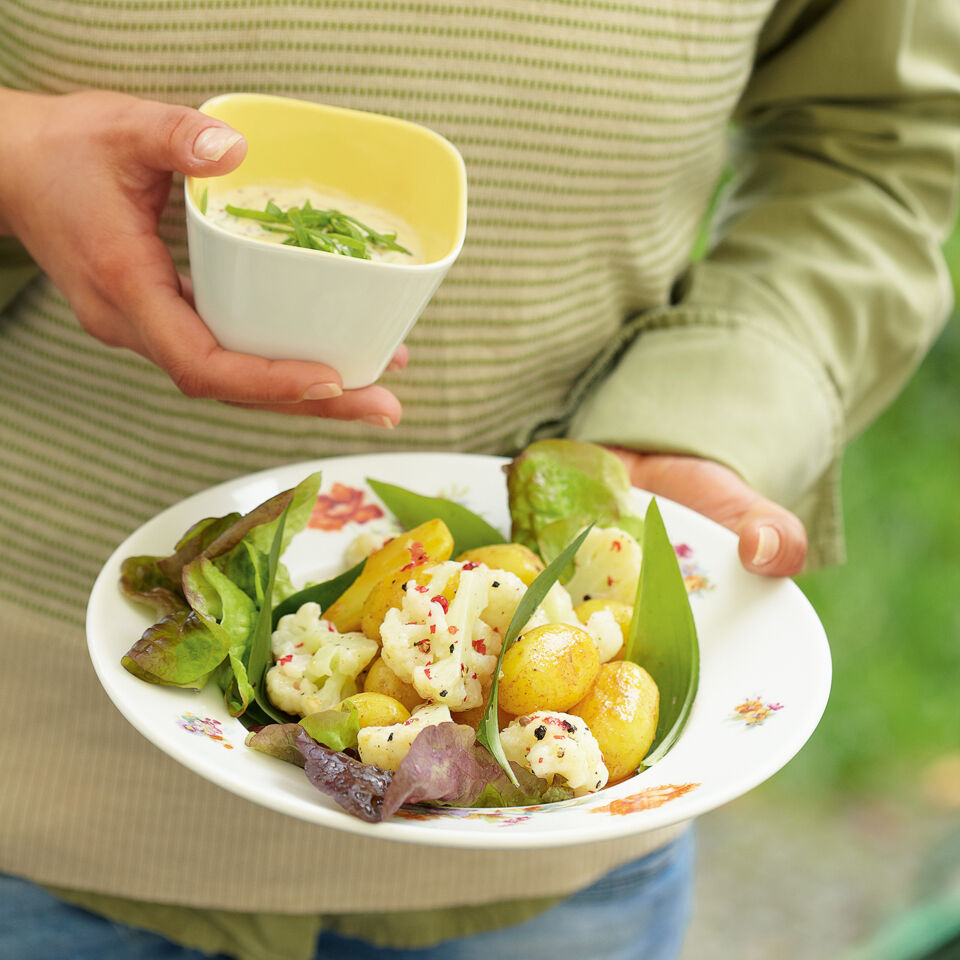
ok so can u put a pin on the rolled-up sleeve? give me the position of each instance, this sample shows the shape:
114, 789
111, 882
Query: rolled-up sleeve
825, 284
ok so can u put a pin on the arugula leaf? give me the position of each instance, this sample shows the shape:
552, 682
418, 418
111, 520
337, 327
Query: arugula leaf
663, 636
488, 731
412, 509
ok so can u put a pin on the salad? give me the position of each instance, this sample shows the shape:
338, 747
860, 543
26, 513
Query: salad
449, 665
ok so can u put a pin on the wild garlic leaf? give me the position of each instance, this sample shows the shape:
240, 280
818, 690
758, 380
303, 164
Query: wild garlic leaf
488, 732
663, 636
412, 509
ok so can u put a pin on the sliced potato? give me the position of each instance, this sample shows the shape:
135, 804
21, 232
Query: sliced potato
431, 542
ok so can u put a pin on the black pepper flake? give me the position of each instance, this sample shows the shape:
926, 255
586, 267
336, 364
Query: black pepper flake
569, 727
403, 587
443, 693
451, 648
540, 732
496, 583
586, 597
389, 737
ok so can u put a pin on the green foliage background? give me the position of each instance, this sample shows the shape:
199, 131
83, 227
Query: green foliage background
892, 612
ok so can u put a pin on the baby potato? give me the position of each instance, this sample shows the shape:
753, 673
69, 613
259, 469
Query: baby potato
621, 710
381, 679
431, 542
376, 709
512, 557
550, 667
622, 613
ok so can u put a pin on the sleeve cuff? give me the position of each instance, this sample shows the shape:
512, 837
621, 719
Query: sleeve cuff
723, 387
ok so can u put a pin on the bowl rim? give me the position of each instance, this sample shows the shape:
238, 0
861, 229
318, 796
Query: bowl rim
201, 218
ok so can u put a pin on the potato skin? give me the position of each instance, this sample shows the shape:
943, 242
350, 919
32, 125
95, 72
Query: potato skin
621, 709
549, 668
512, 557
622, 613
381, 679
376, 709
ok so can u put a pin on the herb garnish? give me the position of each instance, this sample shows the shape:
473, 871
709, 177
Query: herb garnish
328, 230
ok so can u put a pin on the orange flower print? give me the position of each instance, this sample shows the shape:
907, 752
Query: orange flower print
754, 712
342, 505
646, 799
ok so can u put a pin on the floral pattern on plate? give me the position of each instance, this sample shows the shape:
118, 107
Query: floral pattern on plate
753, 713
342, 505
203, 727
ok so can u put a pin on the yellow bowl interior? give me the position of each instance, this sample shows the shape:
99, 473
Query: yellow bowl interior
390, 163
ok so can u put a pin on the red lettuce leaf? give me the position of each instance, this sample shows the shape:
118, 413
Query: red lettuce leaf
278, 740
358, 787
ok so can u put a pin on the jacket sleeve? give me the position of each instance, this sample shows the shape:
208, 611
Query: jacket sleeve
16, 269
825, 284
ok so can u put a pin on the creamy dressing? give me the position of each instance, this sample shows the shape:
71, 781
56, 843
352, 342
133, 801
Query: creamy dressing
256, 198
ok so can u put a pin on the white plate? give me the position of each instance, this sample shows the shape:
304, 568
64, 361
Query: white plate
765, 665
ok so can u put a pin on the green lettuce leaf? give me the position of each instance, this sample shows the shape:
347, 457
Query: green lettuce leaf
277, 740
177, 651
557, 487
336, 729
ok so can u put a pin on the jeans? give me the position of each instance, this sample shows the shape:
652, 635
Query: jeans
637, 912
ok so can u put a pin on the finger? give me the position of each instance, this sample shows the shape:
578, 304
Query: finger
400, 359
772, 540
168, 137
375, 406
174, 337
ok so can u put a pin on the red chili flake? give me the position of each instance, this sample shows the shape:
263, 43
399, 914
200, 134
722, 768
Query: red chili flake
426, 673
421, 589
331, 628
480, 646
442, 600
473, 676
609, 581
296, 684
299, 645
471, 565
418, 555
287, 658
452, 629
433, 628
616, 545
424, 645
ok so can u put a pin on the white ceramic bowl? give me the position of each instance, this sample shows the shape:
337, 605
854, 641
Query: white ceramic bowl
285, 302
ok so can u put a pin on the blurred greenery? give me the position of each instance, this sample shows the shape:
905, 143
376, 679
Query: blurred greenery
892, 612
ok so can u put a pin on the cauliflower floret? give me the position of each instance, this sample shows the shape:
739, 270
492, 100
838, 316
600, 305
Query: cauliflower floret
556, 744
316, 666
557, 607
605, 633
606, 565
385, 747
365, 544
445, 650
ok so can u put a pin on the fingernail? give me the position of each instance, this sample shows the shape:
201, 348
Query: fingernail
322, 391
214, 142
394, 365
378, 420
768, 545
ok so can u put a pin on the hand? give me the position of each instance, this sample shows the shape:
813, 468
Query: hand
772, 540
83, 180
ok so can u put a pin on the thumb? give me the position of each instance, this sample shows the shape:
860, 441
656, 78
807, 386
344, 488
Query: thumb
772, 540
177, 138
